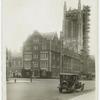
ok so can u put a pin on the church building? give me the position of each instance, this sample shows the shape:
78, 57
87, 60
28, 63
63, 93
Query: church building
75, 28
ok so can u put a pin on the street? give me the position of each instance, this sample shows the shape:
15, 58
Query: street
42, 89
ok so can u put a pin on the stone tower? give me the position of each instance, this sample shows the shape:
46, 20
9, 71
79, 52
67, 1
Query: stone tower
72, 32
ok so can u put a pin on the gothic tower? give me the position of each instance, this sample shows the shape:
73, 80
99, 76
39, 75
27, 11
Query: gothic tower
79, 5
72, 31
64, 21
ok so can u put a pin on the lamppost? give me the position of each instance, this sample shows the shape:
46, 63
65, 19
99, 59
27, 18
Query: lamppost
61, 57
31, 72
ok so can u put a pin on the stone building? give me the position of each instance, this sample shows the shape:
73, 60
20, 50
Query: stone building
71, 62
47, 55
76, 28
74, 37
13, 64
41, 54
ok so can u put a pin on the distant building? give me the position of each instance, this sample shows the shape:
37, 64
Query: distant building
8, 63
41, 54
91, 65
13, 64
17, 65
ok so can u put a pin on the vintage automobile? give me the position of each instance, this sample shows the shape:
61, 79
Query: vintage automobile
70, 83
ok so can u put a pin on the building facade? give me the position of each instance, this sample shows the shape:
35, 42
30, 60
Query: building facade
16, 66
41, 54
13, 64
71, 62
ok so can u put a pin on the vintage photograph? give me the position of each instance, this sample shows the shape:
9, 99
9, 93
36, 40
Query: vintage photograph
50, 49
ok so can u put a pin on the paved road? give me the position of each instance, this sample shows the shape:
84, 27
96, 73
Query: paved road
89, 96
41, 89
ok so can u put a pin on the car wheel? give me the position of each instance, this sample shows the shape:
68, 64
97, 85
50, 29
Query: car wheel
82, 88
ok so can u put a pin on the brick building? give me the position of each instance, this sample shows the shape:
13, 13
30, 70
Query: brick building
41, 54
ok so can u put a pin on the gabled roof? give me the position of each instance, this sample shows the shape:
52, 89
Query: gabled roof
36, 33
50, 35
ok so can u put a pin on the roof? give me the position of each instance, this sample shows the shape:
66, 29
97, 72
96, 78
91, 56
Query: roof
36, 33
68, 74
50, 35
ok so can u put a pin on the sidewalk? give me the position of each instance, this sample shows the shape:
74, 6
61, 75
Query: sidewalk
18, 80
88, 96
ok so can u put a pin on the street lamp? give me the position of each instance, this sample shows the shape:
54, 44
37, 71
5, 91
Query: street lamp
61, 56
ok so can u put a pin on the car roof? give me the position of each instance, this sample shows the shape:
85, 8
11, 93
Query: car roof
69, 74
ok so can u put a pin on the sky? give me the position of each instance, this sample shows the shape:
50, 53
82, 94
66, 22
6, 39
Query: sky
22, 17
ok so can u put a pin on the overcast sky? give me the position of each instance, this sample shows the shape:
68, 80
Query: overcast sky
22, 17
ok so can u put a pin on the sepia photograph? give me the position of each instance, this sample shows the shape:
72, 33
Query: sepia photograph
50, 49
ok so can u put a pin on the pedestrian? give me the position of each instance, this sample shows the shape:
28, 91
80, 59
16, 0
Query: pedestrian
15, 80
31, 79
